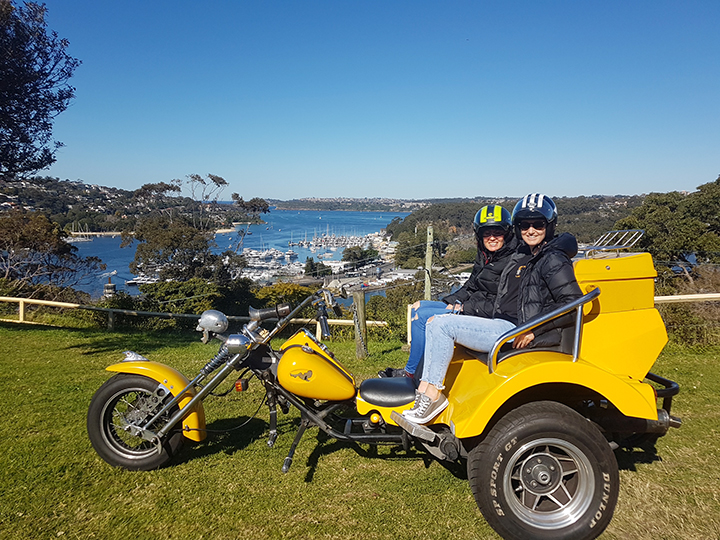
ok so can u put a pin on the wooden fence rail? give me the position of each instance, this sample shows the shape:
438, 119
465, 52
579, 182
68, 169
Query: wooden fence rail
24, 302
675, 299
685, 298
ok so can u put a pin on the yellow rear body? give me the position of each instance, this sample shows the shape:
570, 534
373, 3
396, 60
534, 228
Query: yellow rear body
623, 335
623, 332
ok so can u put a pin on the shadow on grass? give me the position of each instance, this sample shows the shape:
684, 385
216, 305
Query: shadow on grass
629, 458
384, 347
227, 435
230, 435
93, 341
326, 445
141, 342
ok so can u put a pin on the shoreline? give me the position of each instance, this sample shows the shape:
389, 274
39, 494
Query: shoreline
388, 211
76, 234
101, 233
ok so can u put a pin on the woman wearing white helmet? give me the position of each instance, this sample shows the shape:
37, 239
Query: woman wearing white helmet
538, 278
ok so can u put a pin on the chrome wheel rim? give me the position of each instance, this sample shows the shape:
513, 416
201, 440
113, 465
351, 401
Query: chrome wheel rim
549, 483
129, 407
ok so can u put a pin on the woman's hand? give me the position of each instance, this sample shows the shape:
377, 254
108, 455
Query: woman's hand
523, 340
457, 307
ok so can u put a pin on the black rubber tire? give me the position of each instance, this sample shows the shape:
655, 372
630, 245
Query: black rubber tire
545, 472
114, 401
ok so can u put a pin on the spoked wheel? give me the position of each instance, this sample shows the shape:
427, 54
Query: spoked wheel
545, 472
123, 402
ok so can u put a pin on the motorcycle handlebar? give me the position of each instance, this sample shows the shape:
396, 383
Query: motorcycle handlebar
279, 311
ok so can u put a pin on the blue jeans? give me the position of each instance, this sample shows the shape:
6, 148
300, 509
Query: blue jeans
418, 320
444, 331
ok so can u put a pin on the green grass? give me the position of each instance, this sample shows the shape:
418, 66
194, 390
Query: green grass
231, 486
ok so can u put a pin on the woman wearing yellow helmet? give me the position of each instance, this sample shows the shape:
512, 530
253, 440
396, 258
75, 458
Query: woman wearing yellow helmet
495, 244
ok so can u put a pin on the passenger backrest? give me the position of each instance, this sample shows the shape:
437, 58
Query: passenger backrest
622, 332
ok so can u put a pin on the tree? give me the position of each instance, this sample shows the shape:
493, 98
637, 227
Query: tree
176, 237
254, 207
34, 73
410, 251
206, 192
148, 192
280, 293
33, 251
358, 256
678, 225
316, 269
175, 249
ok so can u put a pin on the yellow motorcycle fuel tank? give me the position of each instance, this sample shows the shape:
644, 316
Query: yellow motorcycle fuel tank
307, 368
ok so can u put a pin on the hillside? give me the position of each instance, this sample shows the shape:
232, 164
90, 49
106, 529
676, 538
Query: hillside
102, 208
585, 217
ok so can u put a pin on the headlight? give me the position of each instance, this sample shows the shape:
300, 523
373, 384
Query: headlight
238, 344
212, 320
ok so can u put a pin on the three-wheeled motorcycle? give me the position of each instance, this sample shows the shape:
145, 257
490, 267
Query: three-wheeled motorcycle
537, 427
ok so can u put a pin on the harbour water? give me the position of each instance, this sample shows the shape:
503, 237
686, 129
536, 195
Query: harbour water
282, 228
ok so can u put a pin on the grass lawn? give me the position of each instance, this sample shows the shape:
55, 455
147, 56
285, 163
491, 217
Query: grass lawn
231, 486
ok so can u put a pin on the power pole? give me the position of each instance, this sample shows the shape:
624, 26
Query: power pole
428, 263
360, 324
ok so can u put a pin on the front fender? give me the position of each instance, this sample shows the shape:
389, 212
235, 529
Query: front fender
475, 395
174, 381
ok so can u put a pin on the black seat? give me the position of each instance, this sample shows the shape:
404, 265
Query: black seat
388, 391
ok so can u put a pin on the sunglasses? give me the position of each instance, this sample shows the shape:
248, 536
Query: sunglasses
537, 225
497, 233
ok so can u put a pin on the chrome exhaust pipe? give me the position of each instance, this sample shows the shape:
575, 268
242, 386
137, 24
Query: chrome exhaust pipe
663, 423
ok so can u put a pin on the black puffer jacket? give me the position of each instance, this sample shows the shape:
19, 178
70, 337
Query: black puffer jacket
480, 290
548, 282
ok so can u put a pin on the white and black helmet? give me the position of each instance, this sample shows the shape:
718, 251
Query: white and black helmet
534, 206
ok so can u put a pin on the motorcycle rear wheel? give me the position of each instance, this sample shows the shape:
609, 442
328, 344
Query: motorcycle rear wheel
126, 400
545, 472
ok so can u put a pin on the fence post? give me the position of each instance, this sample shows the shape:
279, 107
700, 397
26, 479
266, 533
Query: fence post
21, 310
111, 320
428, 264
360, 325
409, 324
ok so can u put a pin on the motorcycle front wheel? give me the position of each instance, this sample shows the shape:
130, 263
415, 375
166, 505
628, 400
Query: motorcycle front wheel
122, 402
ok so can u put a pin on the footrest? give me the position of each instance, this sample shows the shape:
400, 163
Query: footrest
417, 431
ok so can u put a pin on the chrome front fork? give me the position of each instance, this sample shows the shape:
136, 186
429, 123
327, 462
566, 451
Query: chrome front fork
156, 436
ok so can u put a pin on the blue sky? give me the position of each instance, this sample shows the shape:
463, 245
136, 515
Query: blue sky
406, 99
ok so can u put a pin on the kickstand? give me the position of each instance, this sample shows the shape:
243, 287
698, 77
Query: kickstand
301, 431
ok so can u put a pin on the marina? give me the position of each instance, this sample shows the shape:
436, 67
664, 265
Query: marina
271, 264
277, 249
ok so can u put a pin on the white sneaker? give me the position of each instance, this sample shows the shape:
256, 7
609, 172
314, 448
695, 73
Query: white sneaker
425, 409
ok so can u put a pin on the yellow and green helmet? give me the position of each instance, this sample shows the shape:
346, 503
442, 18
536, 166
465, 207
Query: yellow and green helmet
491, 216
